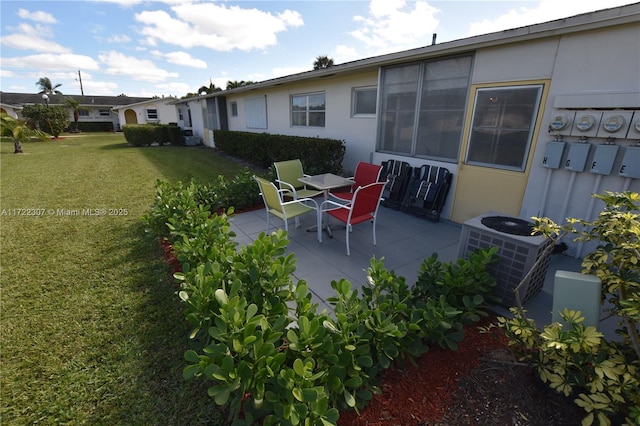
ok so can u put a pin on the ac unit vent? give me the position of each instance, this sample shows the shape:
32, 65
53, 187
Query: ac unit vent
517, 253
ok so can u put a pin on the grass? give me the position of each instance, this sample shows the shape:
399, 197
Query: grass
92, 331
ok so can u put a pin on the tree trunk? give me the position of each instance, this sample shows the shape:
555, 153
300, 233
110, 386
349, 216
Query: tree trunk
17, 146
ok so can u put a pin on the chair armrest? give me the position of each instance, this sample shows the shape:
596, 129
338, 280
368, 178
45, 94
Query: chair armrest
292, 190
302, 201
337, 205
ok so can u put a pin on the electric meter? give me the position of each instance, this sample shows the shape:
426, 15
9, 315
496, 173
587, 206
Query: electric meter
585, 123
559, 122
613, 123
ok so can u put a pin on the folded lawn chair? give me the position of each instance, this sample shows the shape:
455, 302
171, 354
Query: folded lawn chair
396, 174
428, 190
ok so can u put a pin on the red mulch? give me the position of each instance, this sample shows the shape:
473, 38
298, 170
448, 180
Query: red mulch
420, 394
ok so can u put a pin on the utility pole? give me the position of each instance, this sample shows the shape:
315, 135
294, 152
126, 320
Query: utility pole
80, 79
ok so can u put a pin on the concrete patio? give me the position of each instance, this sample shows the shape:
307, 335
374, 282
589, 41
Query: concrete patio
404, 241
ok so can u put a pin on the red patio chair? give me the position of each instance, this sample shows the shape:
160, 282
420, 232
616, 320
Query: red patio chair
363, 207
366, 173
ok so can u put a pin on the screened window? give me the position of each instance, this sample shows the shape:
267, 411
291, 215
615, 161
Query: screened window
308, 110
255, 112
422, 108
502, 126
83, 113
105, 112
363, 101
152, 114
234, 109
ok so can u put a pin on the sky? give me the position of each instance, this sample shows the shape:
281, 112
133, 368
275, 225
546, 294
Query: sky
174, 47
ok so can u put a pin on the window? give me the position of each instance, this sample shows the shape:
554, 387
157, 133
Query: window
255, 112
363, 101
502, 126
83, 113
152, 114
180, 114
104, 113
422, 108
234, 109
308, 110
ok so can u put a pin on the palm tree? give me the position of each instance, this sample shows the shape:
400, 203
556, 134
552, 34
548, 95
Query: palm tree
235, 84
322, 62
74, 104
47, 88
209, 89
19, 132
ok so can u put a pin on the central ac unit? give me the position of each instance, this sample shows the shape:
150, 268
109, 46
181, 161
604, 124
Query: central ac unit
518, 251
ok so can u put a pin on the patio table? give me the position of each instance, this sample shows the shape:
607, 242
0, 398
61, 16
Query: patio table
325, 182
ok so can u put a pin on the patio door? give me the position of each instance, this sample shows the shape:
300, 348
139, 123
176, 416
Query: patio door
499, 144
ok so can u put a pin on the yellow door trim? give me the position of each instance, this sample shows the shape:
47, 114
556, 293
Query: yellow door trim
457, 205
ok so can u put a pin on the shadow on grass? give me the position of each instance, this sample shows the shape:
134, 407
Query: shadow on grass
155, 393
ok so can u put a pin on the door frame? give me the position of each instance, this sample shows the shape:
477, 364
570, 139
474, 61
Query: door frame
459, 211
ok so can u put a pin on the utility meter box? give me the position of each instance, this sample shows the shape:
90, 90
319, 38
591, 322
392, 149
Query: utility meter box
577, 156
634, 128
560, 122
614, 124
586, 124
630, 166
603, 159
553, 154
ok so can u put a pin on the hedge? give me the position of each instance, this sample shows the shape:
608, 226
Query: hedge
318, 155
146, 134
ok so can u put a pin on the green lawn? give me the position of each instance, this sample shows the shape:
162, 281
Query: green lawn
92, 331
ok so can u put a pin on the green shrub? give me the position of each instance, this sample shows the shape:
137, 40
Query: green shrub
146, 134
95, 126
52, 119
318, 155
602, 376
270, 354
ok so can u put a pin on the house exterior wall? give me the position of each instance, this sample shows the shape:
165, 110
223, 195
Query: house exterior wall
166, 113
359, 133
594, 69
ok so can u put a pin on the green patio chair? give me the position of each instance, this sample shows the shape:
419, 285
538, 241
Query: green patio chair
285, 210
288, 174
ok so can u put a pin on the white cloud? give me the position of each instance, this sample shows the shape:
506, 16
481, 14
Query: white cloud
546, 10
218, 27
29, 37
137, 69
345, 54
184, 59
49, 61
37, 16
119, 38
392, 25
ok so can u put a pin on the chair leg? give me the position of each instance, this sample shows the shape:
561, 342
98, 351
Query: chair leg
374, 231
347, 239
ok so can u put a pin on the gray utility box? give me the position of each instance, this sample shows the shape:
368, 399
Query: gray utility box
192, 140
577, 292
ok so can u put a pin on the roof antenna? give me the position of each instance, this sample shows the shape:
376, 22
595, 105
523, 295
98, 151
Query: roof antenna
433, 38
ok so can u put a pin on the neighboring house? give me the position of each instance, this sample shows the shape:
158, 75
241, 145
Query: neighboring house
485, 107
93, 109
10, 110
155, 110
202, 115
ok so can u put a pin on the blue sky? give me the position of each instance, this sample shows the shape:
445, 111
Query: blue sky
173, 47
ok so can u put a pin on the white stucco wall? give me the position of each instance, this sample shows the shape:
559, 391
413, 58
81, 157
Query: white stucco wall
359, 133
602, 69
166, 113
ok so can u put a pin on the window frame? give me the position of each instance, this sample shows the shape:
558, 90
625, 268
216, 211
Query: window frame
403, 108
233, 105
152, 114
104, 113
354, 101
500, 128
308, 111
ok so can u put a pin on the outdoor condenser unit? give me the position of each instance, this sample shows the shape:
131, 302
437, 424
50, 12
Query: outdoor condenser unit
518, 251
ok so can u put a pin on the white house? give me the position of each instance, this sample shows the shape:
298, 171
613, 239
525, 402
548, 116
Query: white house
11, 110
530, 121
155, 110
94, 111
